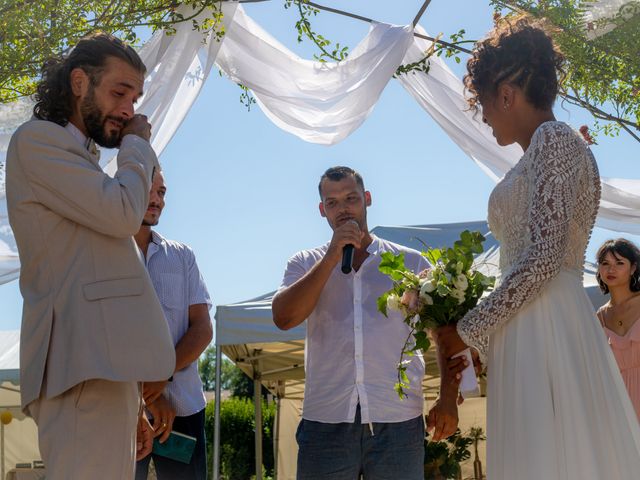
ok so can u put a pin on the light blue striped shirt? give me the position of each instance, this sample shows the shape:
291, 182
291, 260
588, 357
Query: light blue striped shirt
174, 272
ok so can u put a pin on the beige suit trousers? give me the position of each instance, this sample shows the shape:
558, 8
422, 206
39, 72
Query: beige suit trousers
89, 431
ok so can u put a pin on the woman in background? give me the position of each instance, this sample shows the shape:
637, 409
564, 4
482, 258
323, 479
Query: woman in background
619, 276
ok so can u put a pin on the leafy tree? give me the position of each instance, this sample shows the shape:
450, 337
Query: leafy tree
240, 384
232, 378
32, 31
207, 369
604, 72
237, 431
603, 75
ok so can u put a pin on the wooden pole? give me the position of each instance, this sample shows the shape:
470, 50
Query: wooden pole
370, 20
420, 12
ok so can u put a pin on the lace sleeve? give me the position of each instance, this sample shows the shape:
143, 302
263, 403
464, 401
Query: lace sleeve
553, 178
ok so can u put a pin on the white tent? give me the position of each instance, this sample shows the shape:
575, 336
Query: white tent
19, 439
245, 333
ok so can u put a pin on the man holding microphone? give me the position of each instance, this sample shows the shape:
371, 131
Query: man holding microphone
353, 422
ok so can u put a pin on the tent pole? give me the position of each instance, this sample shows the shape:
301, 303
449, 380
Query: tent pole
276, 437
257, 400
2, 441
216, 415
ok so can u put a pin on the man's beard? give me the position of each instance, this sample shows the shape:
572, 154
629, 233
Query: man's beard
152, 223
94, 122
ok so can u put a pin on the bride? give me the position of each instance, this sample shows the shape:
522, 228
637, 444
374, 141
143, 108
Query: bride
557, 406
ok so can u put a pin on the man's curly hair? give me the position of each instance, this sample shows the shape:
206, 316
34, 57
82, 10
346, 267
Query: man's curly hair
53, 93
518, 51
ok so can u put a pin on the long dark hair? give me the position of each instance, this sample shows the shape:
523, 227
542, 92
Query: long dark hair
620, 247
53, 95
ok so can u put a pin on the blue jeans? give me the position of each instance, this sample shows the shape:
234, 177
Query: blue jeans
167, 469
345, 451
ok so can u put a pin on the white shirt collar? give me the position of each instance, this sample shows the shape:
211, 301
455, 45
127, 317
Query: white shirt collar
374, 246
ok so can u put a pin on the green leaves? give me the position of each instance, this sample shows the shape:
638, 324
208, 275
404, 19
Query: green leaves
422, 341
393, 265
32, 32
433, 255
336, 53
603, 73
437, 297
445, 456
382, 302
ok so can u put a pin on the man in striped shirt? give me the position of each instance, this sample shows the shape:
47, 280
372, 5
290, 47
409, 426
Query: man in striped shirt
178, 403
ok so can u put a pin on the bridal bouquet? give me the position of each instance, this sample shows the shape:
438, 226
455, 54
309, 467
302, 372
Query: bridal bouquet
432, 298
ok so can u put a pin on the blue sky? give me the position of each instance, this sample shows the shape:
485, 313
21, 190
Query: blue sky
243, 194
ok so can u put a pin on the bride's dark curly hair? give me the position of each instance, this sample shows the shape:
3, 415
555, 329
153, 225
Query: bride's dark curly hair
518, 51
53, 93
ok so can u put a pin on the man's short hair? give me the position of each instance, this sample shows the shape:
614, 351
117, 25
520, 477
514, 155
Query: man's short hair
53, 93
335, 174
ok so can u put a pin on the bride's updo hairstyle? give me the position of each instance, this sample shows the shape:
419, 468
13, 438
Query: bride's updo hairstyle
520, 52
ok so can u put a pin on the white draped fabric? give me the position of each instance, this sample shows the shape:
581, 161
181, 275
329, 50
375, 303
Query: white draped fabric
318, 102
178, 66
441, 94
597, 12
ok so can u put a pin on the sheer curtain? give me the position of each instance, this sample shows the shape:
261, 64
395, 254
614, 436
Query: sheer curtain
318, 102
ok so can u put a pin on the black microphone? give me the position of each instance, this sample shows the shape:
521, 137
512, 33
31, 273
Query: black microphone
347, 259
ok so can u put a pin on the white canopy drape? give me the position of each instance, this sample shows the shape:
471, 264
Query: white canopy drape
598, 15
318, 102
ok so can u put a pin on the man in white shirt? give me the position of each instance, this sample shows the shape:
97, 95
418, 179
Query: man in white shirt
178, 404
353, 422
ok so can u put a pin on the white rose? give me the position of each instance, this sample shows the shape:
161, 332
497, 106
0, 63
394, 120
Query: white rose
461, 282
458, 295
427, 287
393, 302
426, 299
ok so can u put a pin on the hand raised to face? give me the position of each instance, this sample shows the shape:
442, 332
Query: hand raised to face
138, 125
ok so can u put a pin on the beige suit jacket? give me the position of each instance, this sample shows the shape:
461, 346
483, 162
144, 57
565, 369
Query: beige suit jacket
90, 310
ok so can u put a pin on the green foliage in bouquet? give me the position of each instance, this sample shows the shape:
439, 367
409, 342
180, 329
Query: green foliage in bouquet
439, 296
442, 459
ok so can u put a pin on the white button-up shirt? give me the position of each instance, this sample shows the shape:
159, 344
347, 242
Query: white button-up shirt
174, 272
352, 350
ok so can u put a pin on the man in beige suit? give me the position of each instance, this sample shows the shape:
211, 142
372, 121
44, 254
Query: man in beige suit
92, 326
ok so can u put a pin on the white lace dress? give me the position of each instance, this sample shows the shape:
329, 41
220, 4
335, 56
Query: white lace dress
557, 407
